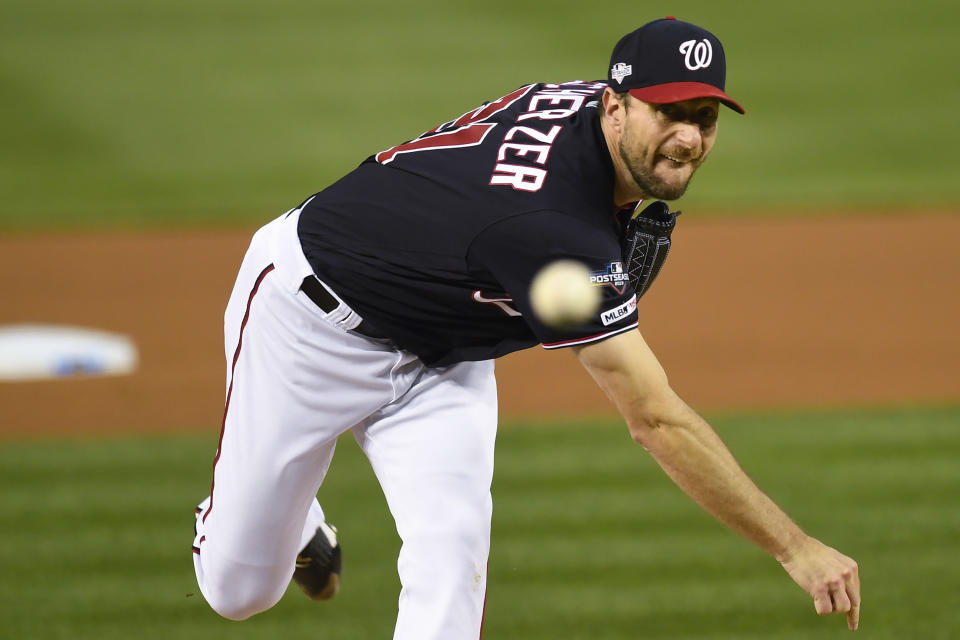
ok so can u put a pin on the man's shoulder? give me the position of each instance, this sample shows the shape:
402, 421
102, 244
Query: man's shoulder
538, 147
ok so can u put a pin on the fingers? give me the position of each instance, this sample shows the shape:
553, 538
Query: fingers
822, 602
840, 599
853, 617
831, 578
840, 596
853, 590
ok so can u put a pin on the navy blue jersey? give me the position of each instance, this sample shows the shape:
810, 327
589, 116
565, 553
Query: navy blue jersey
435, 241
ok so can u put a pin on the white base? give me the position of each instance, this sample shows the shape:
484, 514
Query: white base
39, 352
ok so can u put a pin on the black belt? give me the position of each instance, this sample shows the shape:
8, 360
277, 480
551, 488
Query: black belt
327, 303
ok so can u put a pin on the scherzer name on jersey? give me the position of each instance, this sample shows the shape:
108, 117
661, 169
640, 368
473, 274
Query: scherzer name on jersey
522, 157
530, 146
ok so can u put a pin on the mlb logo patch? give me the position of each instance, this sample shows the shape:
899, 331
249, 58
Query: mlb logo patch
610, 316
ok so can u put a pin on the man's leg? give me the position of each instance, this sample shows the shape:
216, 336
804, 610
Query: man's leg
295, 381
432, 452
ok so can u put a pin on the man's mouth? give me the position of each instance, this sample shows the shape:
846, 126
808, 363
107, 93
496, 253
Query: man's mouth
676, 159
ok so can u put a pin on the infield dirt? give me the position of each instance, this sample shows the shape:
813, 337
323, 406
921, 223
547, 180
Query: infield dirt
747, 314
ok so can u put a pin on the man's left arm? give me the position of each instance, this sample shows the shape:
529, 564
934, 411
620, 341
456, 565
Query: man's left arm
696, 459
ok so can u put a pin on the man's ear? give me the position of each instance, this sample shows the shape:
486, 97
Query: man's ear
614, 110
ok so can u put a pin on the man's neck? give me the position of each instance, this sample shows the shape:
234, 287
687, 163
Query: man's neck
625, 189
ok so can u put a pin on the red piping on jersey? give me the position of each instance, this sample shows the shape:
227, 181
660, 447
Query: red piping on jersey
570, 343
236, 356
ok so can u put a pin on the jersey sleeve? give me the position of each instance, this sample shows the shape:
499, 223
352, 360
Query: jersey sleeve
515, 249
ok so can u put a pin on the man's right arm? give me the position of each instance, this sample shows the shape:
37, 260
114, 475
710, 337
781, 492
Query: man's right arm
695, 458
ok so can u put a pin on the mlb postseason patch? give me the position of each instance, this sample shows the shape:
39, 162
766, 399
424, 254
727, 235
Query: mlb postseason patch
620, 71
613, 276
610, 316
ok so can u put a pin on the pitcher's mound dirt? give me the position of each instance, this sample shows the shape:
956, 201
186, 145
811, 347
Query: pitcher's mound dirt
747, 314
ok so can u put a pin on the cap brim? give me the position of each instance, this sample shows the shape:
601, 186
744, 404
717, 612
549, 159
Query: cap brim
678, 91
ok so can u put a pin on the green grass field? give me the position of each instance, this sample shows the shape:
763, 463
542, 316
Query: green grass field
214, 112
591, 541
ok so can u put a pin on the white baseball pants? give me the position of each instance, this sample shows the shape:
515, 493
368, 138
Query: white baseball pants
296, 379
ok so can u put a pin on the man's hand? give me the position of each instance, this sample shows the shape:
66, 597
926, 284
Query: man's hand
830, 577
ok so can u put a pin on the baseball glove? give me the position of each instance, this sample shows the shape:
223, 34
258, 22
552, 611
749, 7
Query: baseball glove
646, 243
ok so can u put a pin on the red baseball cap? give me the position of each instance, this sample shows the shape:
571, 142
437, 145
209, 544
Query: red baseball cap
669, 60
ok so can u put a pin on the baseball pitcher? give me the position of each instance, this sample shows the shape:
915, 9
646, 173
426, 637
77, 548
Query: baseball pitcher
379, 305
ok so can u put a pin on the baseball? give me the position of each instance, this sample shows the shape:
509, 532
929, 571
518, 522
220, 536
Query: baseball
562, 295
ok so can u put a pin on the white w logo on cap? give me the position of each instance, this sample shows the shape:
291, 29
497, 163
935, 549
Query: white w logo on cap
701, 53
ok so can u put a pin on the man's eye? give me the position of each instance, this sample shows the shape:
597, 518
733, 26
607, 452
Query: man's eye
707, 117
670, 111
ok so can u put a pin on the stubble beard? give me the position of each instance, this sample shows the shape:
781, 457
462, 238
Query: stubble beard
648, 181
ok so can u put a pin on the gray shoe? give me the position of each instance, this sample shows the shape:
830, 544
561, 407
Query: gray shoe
319, 564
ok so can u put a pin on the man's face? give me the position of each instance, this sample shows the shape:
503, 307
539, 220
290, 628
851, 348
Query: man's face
663, 144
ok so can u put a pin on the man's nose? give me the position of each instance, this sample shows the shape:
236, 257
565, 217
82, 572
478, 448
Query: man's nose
688, 135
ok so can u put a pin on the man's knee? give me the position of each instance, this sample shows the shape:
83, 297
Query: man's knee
456, 552
234, 606
239, 591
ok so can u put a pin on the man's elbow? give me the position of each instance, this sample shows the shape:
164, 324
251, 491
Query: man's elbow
644, 429
650, 421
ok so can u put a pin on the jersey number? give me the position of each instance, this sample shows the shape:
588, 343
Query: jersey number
466, 131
